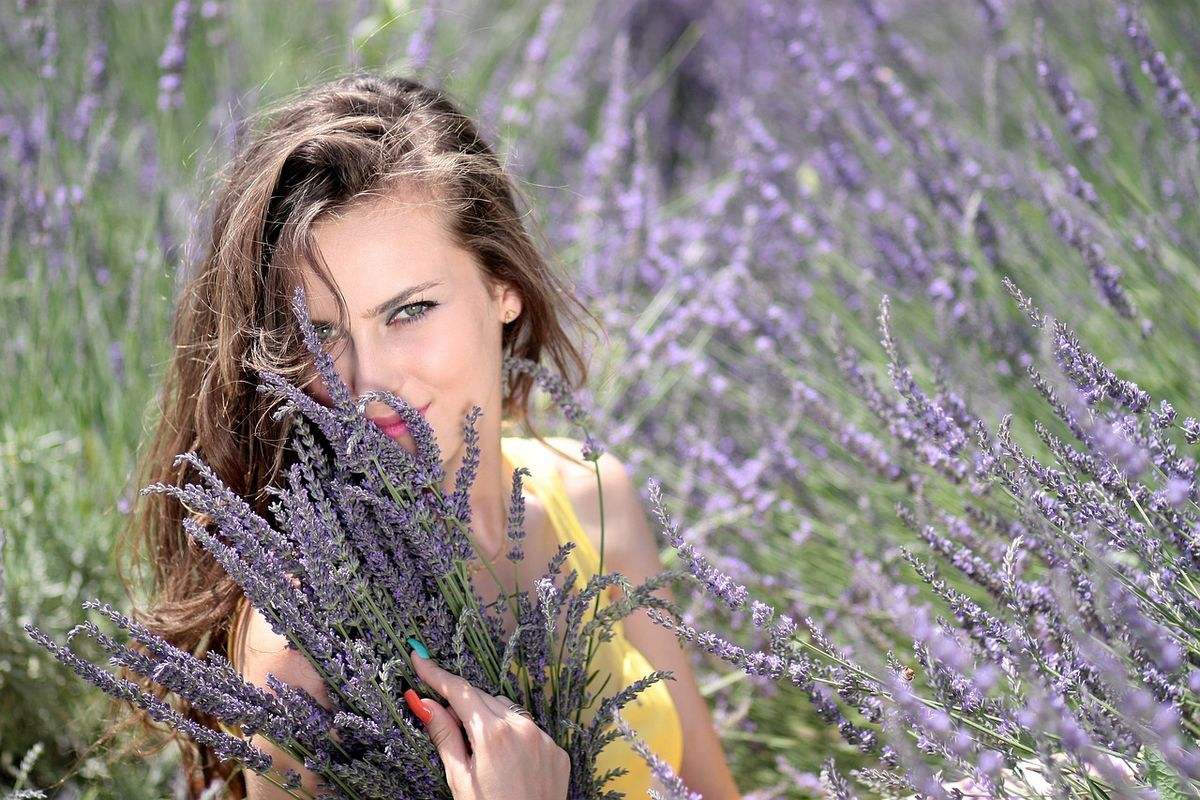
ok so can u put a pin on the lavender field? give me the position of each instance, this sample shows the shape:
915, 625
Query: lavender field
900, 313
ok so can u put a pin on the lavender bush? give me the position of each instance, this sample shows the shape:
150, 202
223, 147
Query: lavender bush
888, 162
1064, 660
743, 183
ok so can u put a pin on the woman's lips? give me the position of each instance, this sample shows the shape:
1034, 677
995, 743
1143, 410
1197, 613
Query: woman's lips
394, 425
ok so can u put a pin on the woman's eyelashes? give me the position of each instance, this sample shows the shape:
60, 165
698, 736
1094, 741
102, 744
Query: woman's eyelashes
328, 332
410, 312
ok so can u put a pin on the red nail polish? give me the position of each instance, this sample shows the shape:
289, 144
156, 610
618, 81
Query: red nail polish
417, 706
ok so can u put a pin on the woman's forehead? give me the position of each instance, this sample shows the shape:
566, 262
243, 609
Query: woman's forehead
374, 251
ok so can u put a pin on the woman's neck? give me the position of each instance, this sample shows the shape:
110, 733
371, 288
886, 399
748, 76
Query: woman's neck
490, 495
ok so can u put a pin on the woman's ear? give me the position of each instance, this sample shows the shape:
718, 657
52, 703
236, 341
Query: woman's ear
509, 302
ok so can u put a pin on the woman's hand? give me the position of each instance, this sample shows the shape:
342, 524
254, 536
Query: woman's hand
503, 756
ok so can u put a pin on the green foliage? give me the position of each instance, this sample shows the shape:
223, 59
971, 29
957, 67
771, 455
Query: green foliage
1163, 779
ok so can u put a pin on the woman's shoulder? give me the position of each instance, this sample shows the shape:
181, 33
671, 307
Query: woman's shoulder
257, 651
579, 476
623, 515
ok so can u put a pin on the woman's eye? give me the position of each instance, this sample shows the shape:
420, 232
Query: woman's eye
326, 332
410, 312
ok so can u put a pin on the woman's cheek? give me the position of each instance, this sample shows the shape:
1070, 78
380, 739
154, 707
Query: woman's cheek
434, 372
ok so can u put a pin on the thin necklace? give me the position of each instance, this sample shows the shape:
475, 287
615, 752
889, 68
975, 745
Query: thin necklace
475, 564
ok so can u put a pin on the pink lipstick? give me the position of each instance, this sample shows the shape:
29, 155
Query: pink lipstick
394, 425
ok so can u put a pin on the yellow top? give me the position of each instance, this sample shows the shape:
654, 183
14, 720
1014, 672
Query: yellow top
652, 713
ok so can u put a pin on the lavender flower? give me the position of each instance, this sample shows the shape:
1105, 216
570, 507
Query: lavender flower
174, 56
516, 514
675, 788
1174, 100
734, 595
834, 784
1076, 111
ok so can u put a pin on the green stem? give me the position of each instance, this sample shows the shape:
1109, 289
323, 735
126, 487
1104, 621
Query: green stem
592, 643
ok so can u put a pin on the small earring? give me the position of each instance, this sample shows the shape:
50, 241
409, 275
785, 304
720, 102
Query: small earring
509, 316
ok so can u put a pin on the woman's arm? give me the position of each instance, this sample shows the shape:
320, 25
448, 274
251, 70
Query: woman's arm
259, 652
508, 757
632, 549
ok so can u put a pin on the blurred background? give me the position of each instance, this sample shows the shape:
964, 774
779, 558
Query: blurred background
731, 185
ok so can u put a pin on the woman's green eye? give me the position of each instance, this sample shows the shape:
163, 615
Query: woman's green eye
410, 312
325, 331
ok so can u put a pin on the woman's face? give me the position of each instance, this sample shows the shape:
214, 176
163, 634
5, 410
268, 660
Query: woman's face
422, 320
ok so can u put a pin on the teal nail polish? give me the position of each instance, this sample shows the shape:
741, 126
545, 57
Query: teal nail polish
415, 644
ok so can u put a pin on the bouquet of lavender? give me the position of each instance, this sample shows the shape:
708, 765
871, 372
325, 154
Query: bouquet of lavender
365, 550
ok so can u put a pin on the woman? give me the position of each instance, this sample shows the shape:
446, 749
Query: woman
379, 198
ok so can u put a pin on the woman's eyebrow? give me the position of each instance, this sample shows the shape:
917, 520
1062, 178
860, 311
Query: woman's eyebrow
389, 304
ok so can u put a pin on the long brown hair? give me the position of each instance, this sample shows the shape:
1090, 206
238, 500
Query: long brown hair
329, 148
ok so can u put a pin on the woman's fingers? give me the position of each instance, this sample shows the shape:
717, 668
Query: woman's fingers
467, 701
470, 698
503, 755
443, 728
510, 710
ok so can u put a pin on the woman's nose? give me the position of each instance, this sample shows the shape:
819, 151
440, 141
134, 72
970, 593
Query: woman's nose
368, 370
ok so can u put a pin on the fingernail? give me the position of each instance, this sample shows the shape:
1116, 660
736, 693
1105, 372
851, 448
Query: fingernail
417, 706
415, 644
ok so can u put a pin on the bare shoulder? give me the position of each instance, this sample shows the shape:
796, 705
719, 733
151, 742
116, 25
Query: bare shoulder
259, 651
628, 542
579, 479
